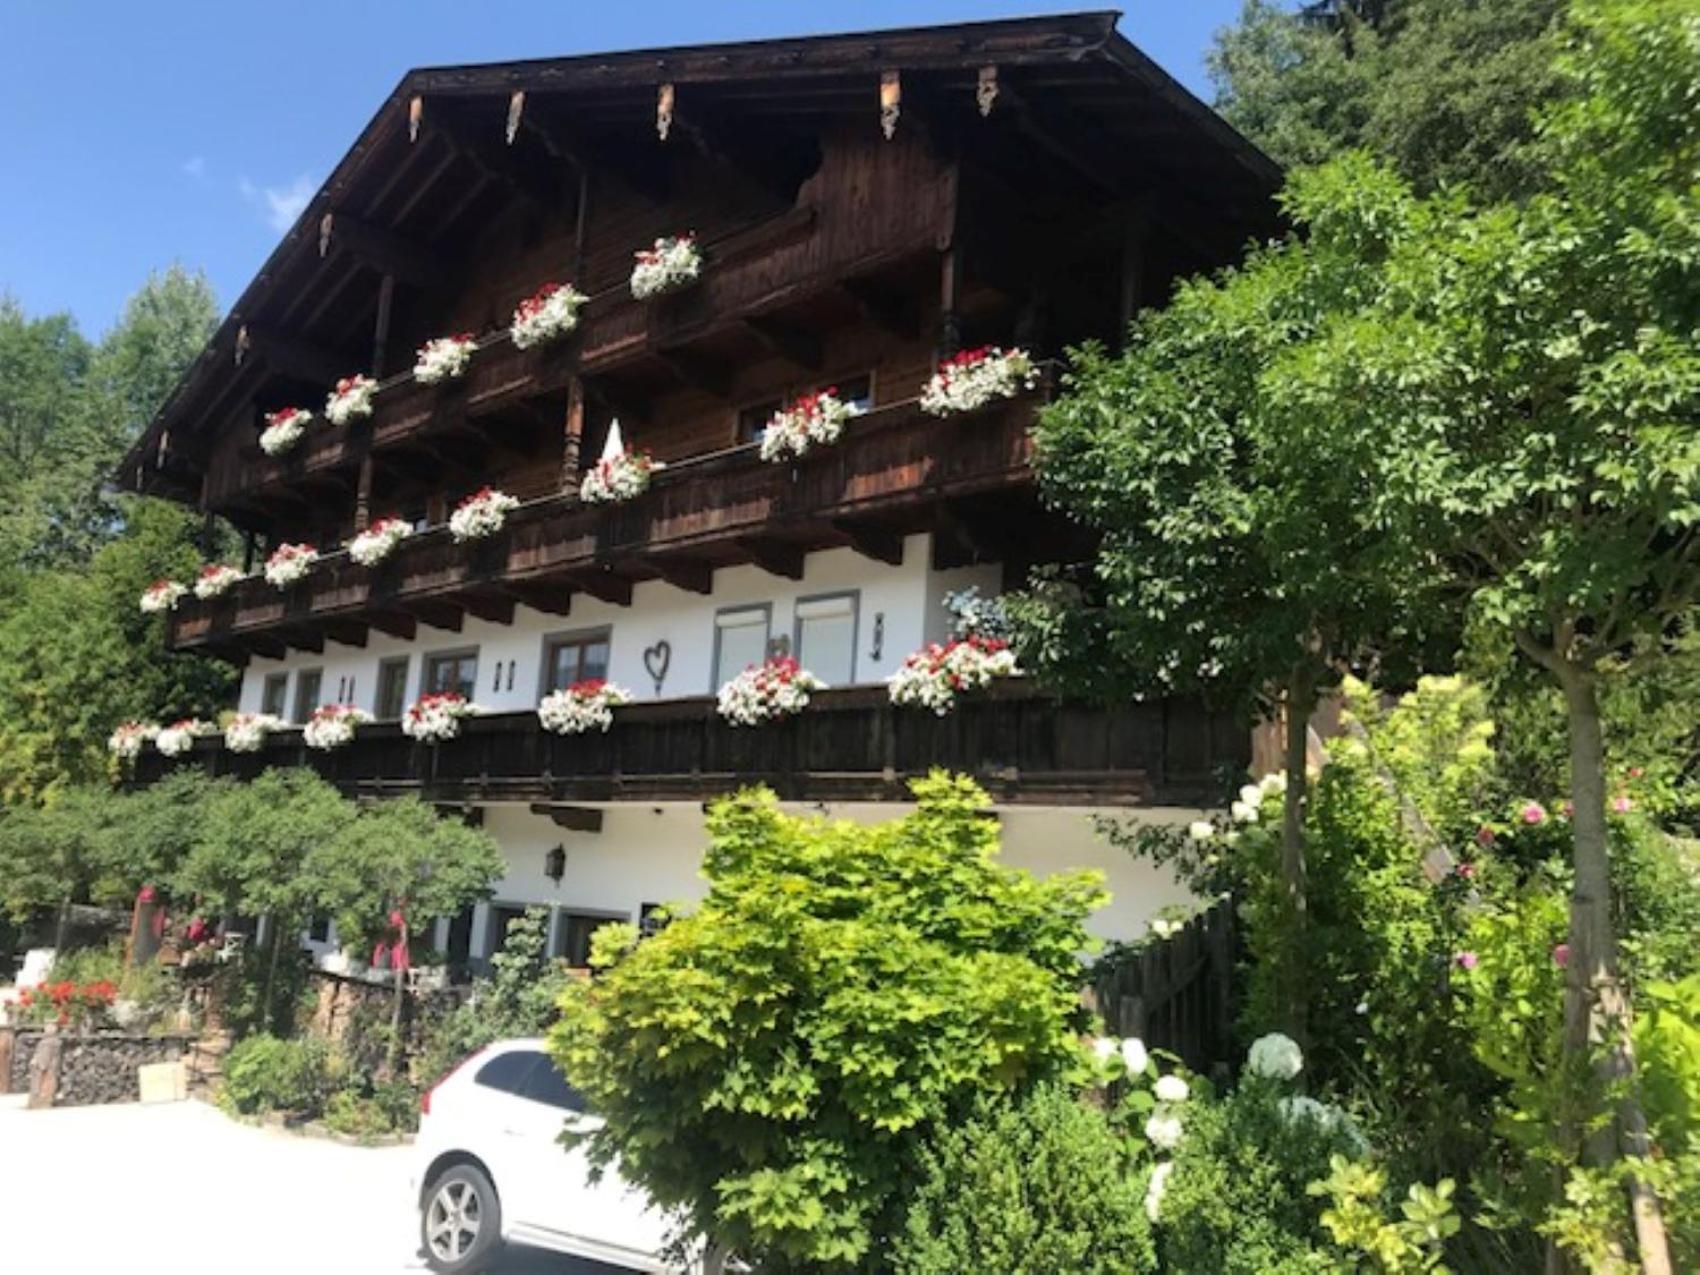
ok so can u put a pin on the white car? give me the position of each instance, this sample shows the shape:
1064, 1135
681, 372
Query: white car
492, 1170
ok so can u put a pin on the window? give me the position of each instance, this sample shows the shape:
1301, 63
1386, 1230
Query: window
740, 640
391, 700
502, 916
318, 928
826, 636
452, 671
508, 1072
275, 695
573, 657
857, 391
573, 935
547, 1085
307, 683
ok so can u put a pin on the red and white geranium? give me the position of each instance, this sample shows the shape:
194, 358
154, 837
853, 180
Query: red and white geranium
444, 358
932, 678
289, 564
350, 400
974, 378
128, 737
808, 421
179, 737
333, 725
162, 595
583, 706
481, 514
433, 718
284, 429
618, 477
246, 732
372, 546
673, 262
216, 579
548, 313
765, 692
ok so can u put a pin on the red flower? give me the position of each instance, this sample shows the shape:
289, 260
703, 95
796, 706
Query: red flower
588, 686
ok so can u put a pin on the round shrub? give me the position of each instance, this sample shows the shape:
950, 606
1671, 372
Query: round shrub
1028, 1187
263, 1073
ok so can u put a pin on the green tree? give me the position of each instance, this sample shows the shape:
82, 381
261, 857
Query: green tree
1444, 89
769, 1064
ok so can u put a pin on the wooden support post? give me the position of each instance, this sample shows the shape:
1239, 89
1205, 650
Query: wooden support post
381, 330
950, 288
581, 225
1133, 269
380, 346
248, 548
572, 434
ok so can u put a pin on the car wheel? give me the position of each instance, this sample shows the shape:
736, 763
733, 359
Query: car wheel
460, 1223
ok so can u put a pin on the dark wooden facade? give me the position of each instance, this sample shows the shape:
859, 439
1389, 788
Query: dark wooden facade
851, 745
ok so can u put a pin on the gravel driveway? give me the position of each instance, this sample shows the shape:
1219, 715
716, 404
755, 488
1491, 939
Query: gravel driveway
144, 1189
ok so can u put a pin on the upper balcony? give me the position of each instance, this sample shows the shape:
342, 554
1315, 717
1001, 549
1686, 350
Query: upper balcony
894, 471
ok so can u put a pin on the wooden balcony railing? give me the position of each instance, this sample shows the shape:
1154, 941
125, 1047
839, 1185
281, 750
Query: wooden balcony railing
848, 745
892, 469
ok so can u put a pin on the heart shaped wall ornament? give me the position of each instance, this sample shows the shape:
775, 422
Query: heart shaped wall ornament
656, 659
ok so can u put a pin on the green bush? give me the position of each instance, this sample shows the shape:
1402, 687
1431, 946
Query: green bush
263, 1073
374, 1111
1026, 1187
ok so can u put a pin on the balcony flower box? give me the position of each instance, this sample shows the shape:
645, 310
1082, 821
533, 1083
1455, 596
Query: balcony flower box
284, 428
290, 564
351, 400
767, 692
162, 595
618, 477
372, 546
973, 378
435, 718
582, 707
546, 315
216, 580
246, 732
179, 737
481, 515
333, 725
443, 359
128, 737
933, 678
673, 262
813, 420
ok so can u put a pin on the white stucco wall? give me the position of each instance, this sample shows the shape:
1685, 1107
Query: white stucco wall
906, 596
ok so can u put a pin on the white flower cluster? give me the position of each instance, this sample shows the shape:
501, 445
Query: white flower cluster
1275, 1057
372, 546
162, 595
481, 514
972, 614
333, 725
128, 737
1164, 1127
1249, 806
443, 358
932, 678
768, 691
1301, 1108
247, 732
975, 377
618, 478
433, 718
548, 313
289, 564
179, 737
215, 580
1130, 1051
284, 429
671, 263
350, 400
810, 421
582, 707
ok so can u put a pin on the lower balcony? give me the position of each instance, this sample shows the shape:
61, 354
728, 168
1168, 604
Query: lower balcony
849, 745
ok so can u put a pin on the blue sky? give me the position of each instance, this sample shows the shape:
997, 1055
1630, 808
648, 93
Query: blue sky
137, 134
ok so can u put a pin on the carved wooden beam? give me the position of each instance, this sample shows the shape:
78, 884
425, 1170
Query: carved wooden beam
500, 163
788, 341
567, 141
873, 542
775, 557
348, 632
719, 143
572, 818
605, 585
270, 647
551, 599
687, 574
496, 609
439, 615
396, 623
383, 250
305, 638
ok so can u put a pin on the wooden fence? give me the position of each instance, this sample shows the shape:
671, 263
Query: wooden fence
1176, 994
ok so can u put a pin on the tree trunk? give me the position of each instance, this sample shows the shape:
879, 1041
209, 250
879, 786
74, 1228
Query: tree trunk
395, 1022
62, 929
268, 1010
1596, 1006
1301, 699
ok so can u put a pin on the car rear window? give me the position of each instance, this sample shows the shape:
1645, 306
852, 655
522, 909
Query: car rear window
547, 1085
508, 1071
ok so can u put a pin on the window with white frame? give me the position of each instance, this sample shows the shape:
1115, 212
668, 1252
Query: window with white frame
826, 636
740, 640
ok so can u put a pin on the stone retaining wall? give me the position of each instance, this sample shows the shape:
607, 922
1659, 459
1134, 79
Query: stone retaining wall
95, 1068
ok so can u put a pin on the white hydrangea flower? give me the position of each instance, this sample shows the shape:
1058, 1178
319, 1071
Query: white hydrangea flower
1274, 783
1240, 812
1134, 1055
1275, 1057
1252, 795
1201, 830
1104, 1048
1164, 1129
1172, 1089
1155, 1187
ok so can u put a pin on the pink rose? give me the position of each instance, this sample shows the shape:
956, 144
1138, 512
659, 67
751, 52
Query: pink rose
1466, 960
1533, 813
1465, 870
1484, 836
1622, 804
1561, 955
